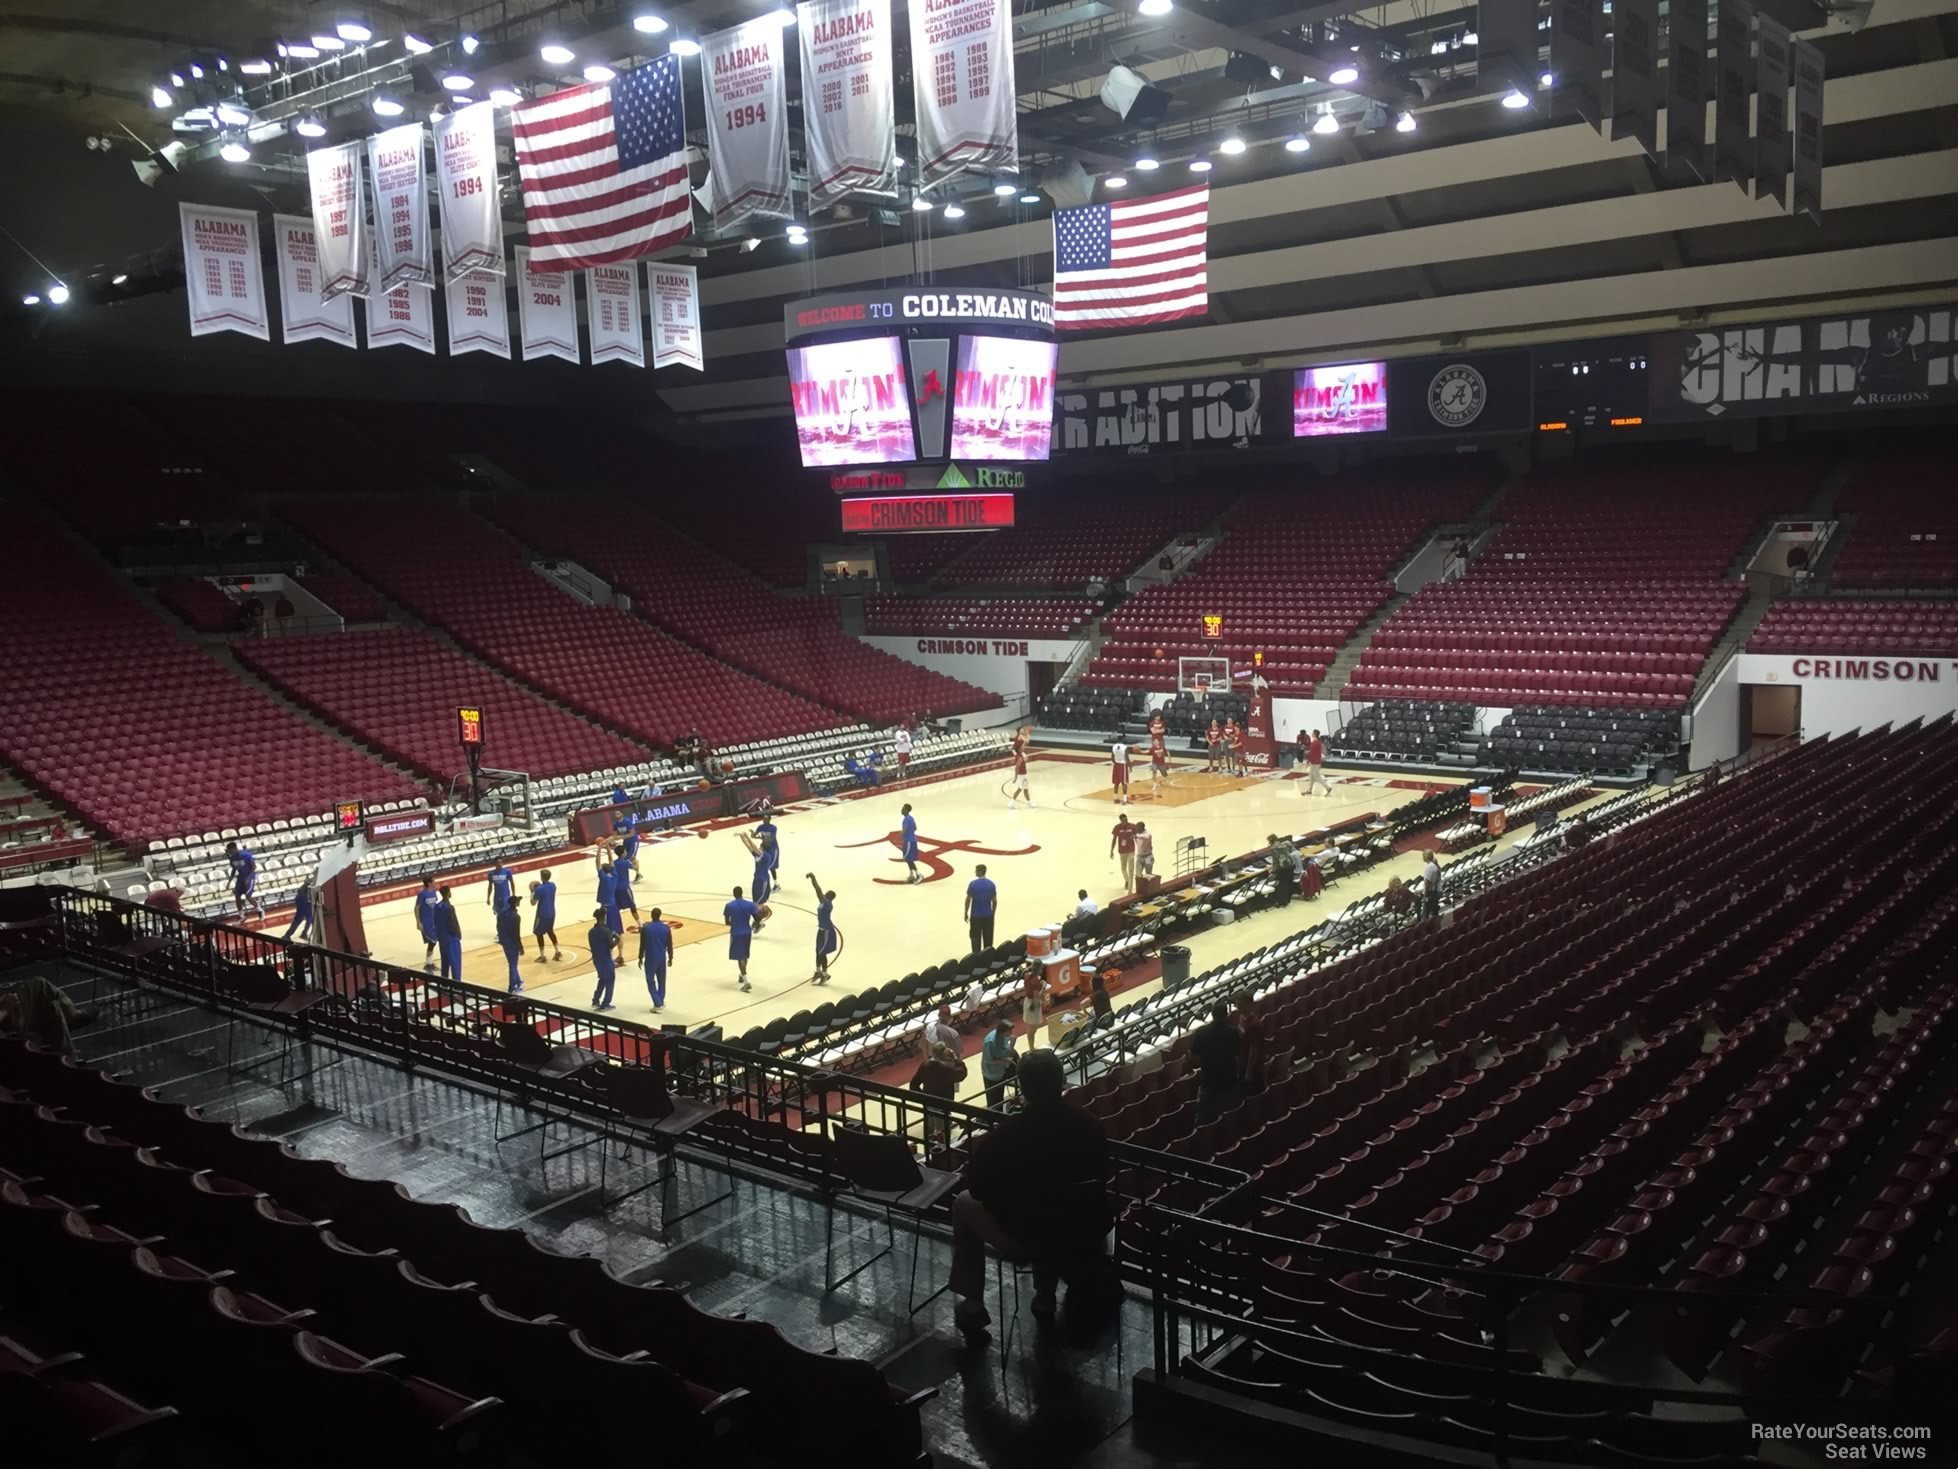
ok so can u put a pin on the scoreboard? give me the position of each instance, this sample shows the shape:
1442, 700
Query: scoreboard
896, 388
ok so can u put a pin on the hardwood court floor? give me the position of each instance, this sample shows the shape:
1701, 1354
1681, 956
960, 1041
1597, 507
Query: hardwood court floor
1039, 859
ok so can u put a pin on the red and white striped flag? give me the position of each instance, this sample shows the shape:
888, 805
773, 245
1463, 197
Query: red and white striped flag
1134, 263
604, 168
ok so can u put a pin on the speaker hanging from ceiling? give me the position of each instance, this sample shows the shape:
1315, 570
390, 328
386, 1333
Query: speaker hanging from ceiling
1131, 94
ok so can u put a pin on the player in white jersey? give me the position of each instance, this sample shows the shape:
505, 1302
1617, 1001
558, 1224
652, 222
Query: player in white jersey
1118, 770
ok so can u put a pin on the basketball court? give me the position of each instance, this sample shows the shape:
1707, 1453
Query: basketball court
1040, 859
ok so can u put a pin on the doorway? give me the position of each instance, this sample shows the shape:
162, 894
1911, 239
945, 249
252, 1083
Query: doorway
1768, 712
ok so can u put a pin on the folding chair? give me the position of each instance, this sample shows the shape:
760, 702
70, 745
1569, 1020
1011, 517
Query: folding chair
882, 1170
640, 1106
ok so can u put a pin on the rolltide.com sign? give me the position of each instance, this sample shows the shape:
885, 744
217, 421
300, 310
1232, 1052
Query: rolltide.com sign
880, 514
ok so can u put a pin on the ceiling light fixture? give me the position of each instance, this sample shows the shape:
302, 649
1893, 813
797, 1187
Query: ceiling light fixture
1546, 80
388, 107
1146, 164
1344, 76
685, 46
1156, 7
1299, 144
1199, 165
504, 97
1116, 181
1327, 125
955, 211
255, 68
30, 300
232, 115
456, 81
417, 45
353, 30
1514, 99
176, 79
57, 294
197, 73
469, 45
922, 205
557, 55
160, 96
302, 51
329, 43
597, 72
1231, 146
232, 152
1404, 123
309, 127
650, 25
119, 280
1006, 191
1029, 198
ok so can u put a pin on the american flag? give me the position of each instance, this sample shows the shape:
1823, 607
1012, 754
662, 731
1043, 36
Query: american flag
1132, 264
604, 168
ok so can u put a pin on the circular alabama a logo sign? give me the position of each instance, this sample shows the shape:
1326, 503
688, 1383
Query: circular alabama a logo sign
1457, 396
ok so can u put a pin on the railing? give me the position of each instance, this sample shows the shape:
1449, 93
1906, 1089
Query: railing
1204, 1290
778, 1112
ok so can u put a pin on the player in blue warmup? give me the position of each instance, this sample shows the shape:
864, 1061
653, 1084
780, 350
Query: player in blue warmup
629, 842
764, 878
502, 886
448, 928
622, 899
655, 953
619, 796
244, 877
910, 825
739, 915
426, 903
608, 891
771, 841
605, 967
825, 929
509, 938
543, 921
302, 911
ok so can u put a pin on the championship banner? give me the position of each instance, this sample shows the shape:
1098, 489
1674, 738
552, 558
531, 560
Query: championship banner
1901, 358
963, 91
742, 74
849, 117
1809, 77
398, 167
1635, 73
547, 311
465, 172
612, 308
1686, 92
479, 317
403, 318
1771, 112
303, 316
676, 316
1147, 418
1733, 87
339, 220
224, 279
1577, 61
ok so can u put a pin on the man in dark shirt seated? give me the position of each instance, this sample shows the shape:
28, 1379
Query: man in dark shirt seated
1218, 1050
1036, 1189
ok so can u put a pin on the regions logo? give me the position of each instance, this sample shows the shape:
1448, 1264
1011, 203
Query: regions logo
1457, 396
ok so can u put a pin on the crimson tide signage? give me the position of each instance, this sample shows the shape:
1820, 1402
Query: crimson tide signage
223, 279
1343, 398
399, 826
885, 514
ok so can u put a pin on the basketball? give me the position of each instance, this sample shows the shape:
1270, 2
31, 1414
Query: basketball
727, 767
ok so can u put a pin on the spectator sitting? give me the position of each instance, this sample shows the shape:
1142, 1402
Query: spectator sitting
1103, 1006
1036, 1191
1576, 834
1399, 897
1218, 1050
1311, 881
1086, 907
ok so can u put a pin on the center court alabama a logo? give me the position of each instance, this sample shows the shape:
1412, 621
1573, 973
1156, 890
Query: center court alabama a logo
931, 855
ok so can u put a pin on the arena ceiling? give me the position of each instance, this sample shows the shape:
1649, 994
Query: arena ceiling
1481, 226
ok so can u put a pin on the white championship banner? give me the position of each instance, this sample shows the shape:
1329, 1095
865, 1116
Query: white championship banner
676, 316
303, 316
397, 164
465, 175
849, 117
223, 276
547, 311
612, 312
339, 219
479, 315
742, 73
403, 318
962, 83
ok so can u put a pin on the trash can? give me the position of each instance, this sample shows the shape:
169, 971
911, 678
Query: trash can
1176, 964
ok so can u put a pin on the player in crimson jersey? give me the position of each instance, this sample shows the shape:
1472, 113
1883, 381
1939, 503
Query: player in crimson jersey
1158, 755
1121, 844
1234, 741
1021, 739
1215, 739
